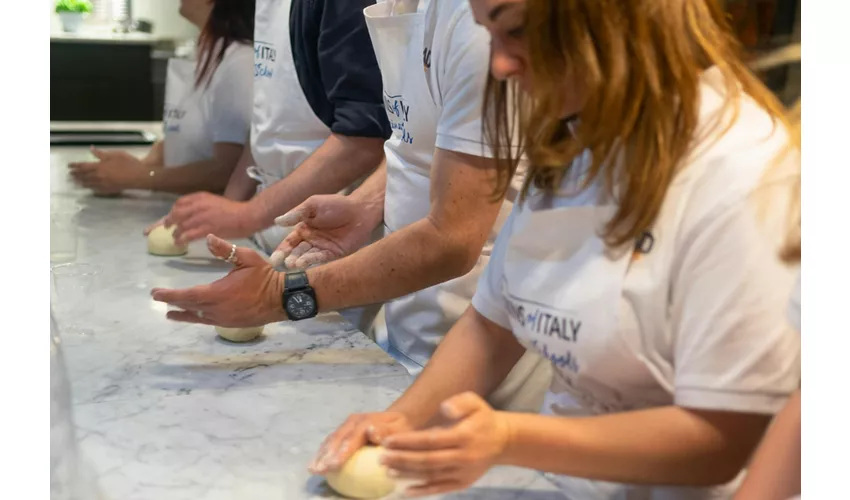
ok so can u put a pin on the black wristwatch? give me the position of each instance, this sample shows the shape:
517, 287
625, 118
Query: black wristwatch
299, 299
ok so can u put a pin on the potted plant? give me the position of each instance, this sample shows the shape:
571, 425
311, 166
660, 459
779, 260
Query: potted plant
72, 13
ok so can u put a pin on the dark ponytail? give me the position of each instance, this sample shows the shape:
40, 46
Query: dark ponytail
231, 21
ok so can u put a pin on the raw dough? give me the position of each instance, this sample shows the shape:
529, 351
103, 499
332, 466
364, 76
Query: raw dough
362, 476
239, 334
161, 242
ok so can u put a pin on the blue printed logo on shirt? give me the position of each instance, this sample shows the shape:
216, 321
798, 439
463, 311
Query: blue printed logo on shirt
398, 111
265, 56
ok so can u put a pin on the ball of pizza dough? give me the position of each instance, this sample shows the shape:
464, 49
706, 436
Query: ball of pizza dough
362, 476
161, 242
239, 334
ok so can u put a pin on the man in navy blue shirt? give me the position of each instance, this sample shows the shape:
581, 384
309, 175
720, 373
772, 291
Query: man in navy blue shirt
318, 124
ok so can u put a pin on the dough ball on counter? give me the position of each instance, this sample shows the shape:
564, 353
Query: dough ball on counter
239, 334
161, 242
362, 476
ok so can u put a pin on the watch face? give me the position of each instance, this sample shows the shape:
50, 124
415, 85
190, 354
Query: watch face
300, 305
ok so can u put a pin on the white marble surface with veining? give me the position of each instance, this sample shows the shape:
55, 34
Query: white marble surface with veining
168, 411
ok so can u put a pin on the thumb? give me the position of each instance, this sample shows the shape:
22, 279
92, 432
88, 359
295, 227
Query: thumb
99, 153
239, 257
382, 430
461, 406
298, 214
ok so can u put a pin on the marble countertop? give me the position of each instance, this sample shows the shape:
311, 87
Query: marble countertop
169, 411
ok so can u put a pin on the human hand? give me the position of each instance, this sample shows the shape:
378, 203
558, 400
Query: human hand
112, 173
440, 460
357, 431
327, 227
250, 294
199, 214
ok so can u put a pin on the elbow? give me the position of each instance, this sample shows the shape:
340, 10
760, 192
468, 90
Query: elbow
455, 251
218, 184
721, 469
461, 257
727, 444
219, 178
470, 260
722, 474
371, 152
362, 150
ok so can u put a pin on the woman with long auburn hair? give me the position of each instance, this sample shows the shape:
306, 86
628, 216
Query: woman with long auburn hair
207, 114
641, 261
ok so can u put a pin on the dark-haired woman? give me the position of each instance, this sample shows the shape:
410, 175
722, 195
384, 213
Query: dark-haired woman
207, 114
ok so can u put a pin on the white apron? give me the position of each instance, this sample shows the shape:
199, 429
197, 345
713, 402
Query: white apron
412, 326
565, 293
284, 129
183, 117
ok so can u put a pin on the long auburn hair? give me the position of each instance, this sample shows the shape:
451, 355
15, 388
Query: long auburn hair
792, 250
230, 21
639, 64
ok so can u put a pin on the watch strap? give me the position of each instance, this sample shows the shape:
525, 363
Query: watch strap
295, 280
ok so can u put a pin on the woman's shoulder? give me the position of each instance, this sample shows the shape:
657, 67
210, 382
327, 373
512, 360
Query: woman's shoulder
234, 73
736, 154
236, 65
239, 54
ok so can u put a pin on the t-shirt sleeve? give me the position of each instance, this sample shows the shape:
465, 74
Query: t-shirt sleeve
231, 96
462, 80
489, 299
350, 73
734, 349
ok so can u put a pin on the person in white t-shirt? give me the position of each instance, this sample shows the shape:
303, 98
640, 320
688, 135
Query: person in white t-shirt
641, 261
434, 194
207, 113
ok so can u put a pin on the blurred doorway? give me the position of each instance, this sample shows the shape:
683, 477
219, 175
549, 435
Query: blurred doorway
763, 26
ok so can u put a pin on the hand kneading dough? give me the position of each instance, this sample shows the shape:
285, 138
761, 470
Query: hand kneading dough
362, 476
161, 242
239, 334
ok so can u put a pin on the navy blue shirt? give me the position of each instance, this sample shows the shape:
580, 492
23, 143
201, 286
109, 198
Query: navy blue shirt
336, 66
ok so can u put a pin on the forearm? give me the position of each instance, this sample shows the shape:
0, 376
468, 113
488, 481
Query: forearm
205, 175
667, 445
444, 245
241, 187
412, 259
476, 355
371, 194
774, 473
156, 155
335, 165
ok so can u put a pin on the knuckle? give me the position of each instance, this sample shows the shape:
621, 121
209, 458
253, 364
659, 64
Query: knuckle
466, 459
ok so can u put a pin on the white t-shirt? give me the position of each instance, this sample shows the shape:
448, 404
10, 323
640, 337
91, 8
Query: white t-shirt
442, 110
457, 50
198, 118
696, 318
434, 66
794, 306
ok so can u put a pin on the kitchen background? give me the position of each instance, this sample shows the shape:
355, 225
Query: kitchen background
113, 68
162, 13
